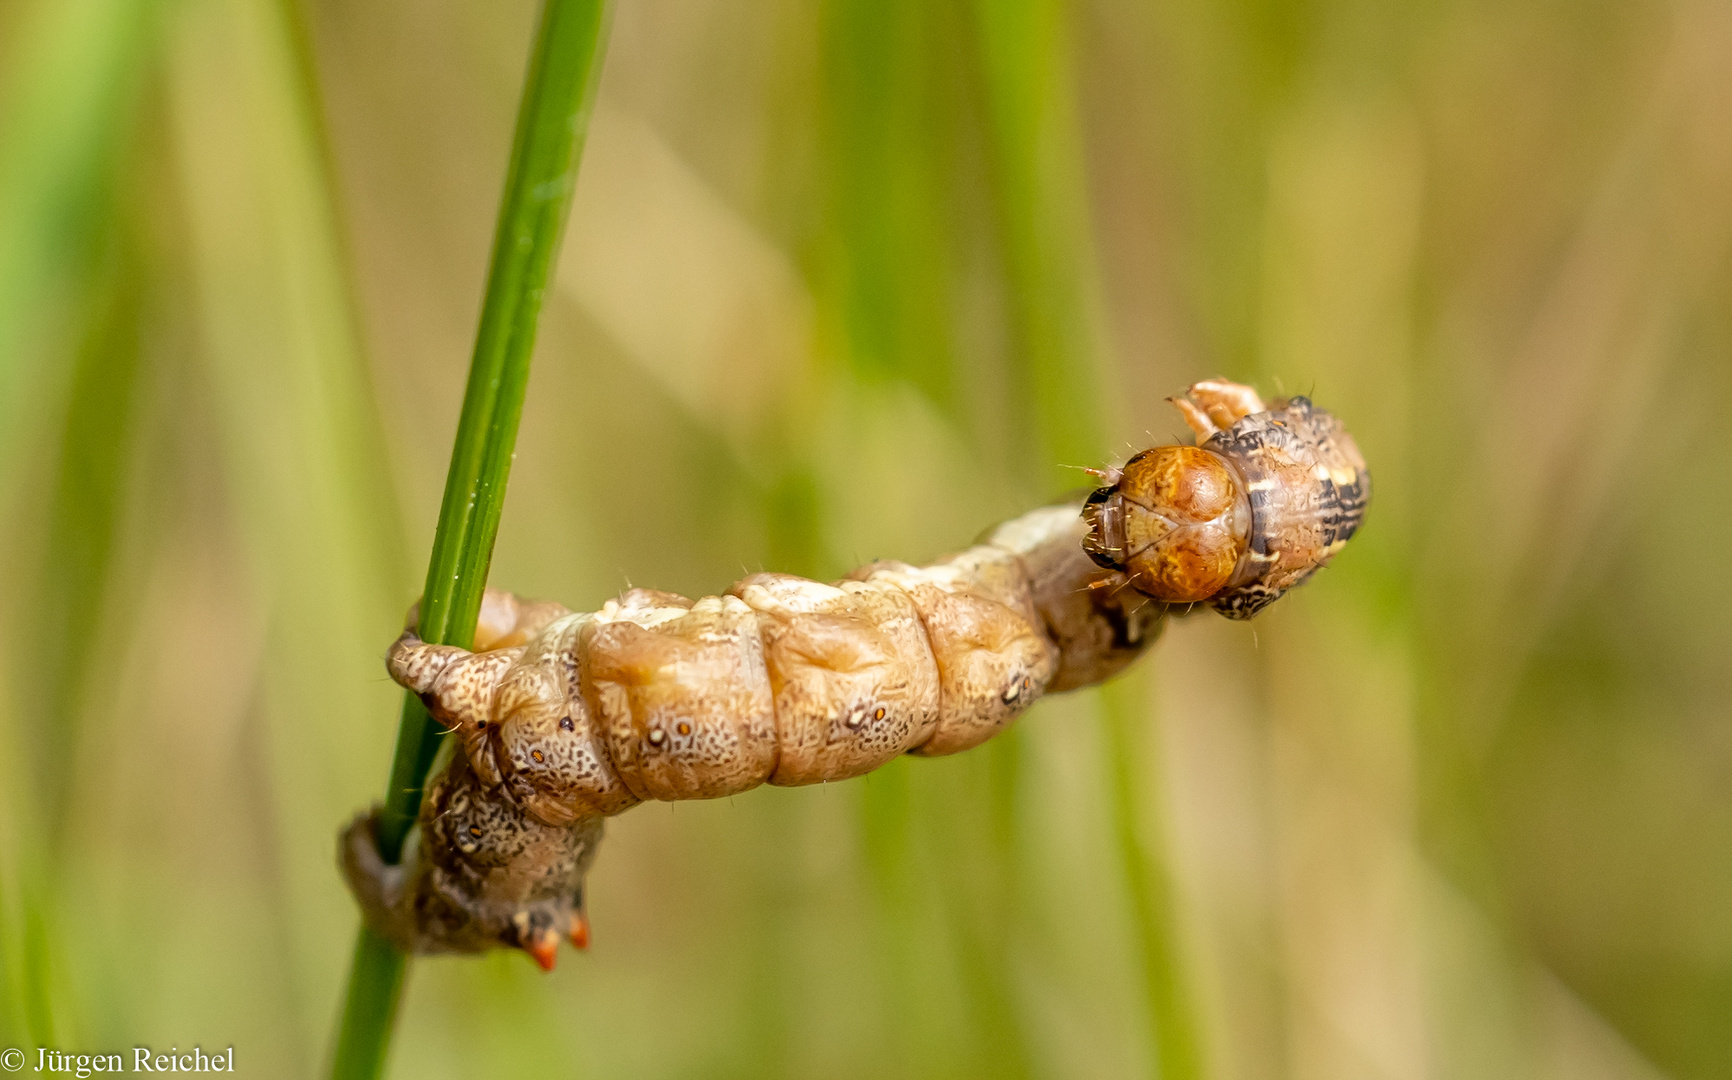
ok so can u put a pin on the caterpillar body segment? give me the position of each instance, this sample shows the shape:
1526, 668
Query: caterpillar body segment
565, 719
853, 679
1095, 621
992, 657
1308, 487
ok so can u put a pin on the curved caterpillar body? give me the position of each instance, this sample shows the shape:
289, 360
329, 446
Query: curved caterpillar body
567, 718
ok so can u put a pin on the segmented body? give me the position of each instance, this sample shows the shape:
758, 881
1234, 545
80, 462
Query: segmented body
781, 680
565, 719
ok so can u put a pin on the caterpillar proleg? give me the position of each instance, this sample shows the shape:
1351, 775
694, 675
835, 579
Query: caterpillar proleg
564, 719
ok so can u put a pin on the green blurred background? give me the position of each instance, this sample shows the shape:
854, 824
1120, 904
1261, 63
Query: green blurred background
850, 279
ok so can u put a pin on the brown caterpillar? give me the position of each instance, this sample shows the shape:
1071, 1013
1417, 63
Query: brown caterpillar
565, 719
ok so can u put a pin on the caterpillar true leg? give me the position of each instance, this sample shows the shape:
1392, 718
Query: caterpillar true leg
1213, 404
564, 719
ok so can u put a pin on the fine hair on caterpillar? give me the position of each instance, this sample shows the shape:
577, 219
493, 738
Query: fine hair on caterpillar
564, 719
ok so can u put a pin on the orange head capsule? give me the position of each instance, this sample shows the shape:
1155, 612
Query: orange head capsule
1176, 523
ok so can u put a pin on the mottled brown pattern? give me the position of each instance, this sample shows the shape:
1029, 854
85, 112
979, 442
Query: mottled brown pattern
479, 874
1308, 486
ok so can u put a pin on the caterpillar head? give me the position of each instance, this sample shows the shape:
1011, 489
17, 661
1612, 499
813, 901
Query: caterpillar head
1176, 522
1267, 497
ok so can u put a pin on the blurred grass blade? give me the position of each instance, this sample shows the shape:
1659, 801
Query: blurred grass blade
1043, 208
891, 133
1171, 1021
73, 69
558, 96
293, 438
84, 517
1046, 235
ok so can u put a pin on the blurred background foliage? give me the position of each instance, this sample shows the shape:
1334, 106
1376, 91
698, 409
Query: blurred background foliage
848, 280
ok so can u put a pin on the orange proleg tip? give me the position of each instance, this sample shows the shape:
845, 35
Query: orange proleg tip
579, 931
545, 951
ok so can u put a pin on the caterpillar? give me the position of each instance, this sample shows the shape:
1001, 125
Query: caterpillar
563, 719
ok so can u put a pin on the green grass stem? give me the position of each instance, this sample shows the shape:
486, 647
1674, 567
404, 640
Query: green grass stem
558, 95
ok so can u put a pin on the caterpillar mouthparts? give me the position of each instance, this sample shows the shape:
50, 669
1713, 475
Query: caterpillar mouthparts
565, 719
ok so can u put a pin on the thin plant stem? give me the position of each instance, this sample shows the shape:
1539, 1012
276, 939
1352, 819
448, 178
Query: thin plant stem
558, 95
